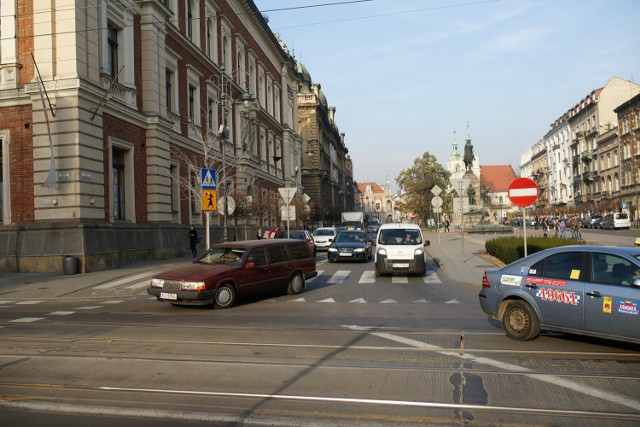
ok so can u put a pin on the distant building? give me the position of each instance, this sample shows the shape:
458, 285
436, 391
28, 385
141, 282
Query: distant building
628, 115
497, 179
377, 200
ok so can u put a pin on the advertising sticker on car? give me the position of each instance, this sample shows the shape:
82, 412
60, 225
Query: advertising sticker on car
556, 295
628, 307
510, 280
548, 282
606, 305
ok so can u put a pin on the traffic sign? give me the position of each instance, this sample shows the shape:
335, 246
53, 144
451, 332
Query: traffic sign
523, 192
436, 202
436, 190
229, 208
287, 193
209, 200
208, 178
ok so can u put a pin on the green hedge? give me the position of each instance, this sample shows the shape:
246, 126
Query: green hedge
510, 249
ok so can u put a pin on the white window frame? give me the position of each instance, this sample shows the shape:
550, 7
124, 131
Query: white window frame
6, 176
129, 175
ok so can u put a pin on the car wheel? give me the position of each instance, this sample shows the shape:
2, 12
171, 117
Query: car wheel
225, 296
520, 322
296, 284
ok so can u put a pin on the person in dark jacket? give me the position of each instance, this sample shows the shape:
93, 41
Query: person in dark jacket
193, 240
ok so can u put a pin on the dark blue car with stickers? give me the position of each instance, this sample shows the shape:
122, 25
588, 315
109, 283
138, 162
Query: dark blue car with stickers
585, 290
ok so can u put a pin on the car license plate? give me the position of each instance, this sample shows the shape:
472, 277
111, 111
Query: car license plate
401, 265
345, 254
166, 295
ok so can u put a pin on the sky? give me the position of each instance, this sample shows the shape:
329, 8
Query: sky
403, 74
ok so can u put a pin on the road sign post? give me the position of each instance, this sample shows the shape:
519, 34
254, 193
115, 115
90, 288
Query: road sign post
209, 198
523, 192
287, 194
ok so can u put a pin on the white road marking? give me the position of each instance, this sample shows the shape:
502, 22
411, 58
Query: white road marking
327, 300
453, 301
61, 313
368, 276
46, 407
26, 320
28, 302
431, 277
360, 300
123, 280
388, 301
421, 301
550, 379
339, 276
140, 285
298, 300
88, 307
114, 302
314, 278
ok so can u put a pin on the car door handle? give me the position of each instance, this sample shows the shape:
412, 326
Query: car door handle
594, 294
531, 285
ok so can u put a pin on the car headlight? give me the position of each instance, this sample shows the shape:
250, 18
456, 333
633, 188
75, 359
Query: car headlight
192, 286
332, 249
418, 252
157, 283
358, 250
382, 251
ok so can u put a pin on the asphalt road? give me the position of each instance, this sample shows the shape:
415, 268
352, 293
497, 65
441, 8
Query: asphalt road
352, 349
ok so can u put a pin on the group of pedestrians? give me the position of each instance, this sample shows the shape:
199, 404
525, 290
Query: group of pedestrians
560, 225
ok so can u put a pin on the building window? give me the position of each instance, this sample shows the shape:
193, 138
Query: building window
169, 90
189, 20
192, 100
193, 183
210, 113
112, 50
119, 207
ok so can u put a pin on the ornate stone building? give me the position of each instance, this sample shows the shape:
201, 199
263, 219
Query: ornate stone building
101, 161
327, 169
629, 142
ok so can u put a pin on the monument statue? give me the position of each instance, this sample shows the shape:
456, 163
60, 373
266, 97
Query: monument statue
469, 157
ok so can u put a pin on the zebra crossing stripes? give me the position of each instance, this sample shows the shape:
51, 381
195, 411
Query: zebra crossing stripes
339, 276
369, 277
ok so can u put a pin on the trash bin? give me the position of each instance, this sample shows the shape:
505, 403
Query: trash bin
70, 265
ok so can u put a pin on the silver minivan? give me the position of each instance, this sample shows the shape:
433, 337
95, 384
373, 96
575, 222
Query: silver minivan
614, 221
400, 249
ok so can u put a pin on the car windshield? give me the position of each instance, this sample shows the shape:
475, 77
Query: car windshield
350, 237
222, 255
397, 236
299, 235
325, 232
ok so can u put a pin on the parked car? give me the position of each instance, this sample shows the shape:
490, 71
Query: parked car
587, 290
616, 221
593, 220
304, 235
350, 245
231, 270
323, 237
400, 249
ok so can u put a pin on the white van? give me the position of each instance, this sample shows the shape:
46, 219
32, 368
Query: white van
400, 249
616, 220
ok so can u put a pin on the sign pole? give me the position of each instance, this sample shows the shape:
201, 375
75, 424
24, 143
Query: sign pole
524, 230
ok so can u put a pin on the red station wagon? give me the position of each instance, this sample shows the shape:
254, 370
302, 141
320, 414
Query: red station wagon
230, 270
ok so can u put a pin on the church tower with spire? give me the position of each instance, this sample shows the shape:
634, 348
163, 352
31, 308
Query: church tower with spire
455, 165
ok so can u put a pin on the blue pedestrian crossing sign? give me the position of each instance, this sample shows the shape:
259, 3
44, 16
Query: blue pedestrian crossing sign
208, 179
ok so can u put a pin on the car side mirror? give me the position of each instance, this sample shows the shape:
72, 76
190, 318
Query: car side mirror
427, 243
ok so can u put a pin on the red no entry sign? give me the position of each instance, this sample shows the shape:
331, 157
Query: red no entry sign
523, 192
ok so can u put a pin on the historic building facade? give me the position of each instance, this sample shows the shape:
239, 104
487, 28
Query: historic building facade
105, 128
629, 142
327, 169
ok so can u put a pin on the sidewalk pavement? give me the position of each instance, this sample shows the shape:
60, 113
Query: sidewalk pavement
458, 258
21, 286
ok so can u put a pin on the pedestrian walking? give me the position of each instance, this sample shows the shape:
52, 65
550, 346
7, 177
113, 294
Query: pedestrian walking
556, 227
545, 226
575, 227
193, 240
536, 221
563, 229
259, 233
446, 225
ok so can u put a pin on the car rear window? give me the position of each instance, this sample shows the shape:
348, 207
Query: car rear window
323, 232
300, 251
277, 254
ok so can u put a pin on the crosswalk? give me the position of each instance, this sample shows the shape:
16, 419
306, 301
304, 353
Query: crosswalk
369, 277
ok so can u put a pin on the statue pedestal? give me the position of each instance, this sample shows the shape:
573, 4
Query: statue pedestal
475, 212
